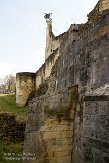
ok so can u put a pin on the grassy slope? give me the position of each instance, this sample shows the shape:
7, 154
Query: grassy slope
8, 104
10, 148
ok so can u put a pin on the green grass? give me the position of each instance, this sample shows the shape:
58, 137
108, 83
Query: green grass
12, 149
8, 104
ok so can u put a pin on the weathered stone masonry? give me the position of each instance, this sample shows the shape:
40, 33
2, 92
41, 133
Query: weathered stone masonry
49, 128
25, 85
68, 115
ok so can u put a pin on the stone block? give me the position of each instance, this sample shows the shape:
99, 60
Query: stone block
47, 135
61, 147
50, 154
65, 159
50, 160
62, 153
69, 134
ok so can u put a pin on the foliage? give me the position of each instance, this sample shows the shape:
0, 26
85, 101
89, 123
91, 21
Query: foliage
8, 84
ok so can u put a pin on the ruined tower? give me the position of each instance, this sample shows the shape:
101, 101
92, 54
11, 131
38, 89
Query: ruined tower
52, 42
25, 85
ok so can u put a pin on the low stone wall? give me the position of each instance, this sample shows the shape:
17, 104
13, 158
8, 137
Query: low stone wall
10, 128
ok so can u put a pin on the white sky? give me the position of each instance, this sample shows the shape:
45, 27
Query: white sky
22, 29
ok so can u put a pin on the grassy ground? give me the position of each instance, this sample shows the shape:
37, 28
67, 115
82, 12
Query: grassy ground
9, 150
8, 104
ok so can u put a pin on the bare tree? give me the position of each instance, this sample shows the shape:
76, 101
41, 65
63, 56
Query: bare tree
8, 84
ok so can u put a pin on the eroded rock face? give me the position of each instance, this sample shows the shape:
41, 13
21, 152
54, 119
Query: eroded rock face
49, 130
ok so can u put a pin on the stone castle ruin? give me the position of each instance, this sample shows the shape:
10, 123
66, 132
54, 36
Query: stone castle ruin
68, 97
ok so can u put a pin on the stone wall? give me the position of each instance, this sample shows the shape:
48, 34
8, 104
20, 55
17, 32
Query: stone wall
44, 72
49, 129
11, 129
101, 6
82, 49
85, 61
62, 115
91, 143
25, 85
52, 42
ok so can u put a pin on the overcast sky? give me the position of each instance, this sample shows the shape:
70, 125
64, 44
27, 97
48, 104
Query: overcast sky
22, 29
